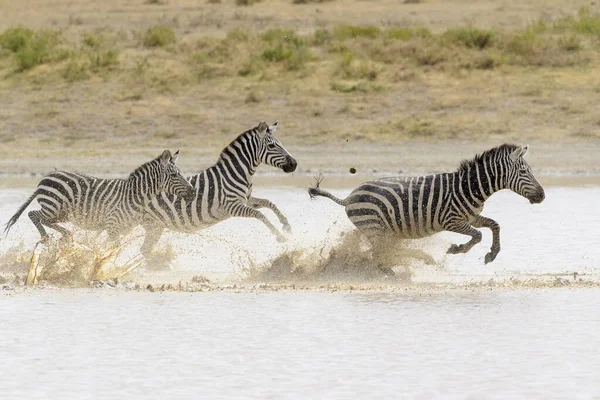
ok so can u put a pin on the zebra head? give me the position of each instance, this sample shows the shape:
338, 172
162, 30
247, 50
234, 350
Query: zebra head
521, 179
271, 151
172, 180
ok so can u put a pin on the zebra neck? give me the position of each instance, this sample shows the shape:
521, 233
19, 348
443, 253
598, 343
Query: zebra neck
239, 161
140, 188
473, 185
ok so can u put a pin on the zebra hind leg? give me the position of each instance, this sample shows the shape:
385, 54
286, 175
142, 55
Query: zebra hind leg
379, 245
465, 229
38, 220
67, 235
484, 222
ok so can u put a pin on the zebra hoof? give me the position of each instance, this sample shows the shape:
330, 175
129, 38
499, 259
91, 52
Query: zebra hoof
287, 228
281, 239
489, 257
455, 249
66, 241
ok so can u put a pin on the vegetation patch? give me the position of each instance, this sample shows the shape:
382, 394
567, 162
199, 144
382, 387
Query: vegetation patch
353, 56
158, 36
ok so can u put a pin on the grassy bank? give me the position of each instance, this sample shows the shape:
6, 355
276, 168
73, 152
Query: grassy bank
89, 90
345, 58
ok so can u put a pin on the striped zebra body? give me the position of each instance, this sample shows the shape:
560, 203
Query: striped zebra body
224, 190
116, 205
416, 207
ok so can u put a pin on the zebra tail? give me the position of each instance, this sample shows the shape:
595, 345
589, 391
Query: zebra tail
316, 191
15, 217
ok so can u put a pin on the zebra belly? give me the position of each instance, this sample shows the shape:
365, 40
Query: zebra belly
179, 215
400, 207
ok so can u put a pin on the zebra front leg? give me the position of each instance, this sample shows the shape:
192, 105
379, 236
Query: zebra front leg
483, 222
153, 234
255, 202
465, 229
242, 210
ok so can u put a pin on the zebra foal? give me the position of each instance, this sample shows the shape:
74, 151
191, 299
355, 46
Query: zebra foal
223, 190
415, 207
115, 205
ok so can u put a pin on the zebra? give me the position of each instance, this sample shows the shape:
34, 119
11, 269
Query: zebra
223, 190
415, 207
115, 205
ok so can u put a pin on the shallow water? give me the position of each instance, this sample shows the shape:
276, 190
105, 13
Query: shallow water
556, 237
464, 339
485, 344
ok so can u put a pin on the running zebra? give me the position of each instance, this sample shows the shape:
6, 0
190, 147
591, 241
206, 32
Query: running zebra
115, 205
223, 190
415, 207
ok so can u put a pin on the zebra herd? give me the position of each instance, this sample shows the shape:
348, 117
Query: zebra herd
158, 197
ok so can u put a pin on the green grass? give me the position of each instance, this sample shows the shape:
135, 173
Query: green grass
402, 33
158, 36
470, 37
343, 32
16, 39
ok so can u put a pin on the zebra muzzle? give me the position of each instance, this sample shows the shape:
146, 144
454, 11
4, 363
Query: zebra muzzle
537, 197
290, 166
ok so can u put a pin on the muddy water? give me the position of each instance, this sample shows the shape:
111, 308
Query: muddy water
467, 340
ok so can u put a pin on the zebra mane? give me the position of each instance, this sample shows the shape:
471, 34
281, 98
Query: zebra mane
249, 134
504, 149
141, 167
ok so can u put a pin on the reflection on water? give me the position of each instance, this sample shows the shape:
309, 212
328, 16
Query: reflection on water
104, 344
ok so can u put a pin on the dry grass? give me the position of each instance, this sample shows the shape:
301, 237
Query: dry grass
140, 80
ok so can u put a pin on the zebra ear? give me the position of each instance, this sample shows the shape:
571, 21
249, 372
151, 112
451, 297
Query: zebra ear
262, 129
165, 157
514, 156
273, 127
524, 150
175, 157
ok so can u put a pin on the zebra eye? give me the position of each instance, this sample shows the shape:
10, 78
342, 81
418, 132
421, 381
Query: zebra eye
271, 146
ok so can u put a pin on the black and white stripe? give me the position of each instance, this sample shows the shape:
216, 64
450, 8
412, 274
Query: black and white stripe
115, 205
414, 207
223, 190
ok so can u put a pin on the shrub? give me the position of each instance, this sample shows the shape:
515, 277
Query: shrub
15, 39
585, 23
277, 53
246, 2
342, 32
309, 1
470, 37
400, 33
104, 60
75, 71
38, 50
92, 41
158, 36
321, 36
569, 43
523, 44
251, 67
281, 35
